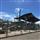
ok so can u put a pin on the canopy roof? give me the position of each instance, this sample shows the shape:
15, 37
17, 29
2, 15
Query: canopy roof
28, 17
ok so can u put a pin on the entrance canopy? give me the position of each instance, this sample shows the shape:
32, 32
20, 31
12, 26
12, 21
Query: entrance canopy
28, 17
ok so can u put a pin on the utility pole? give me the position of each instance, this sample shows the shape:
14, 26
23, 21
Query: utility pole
19, 14
7, 28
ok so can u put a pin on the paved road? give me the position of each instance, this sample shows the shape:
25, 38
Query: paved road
31, 36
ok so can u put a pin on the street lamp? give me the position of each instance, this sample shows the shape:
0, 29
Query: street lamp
18, 10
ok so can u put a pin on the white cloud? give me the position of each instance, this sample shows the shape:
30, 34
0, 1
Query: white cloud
17, 10
11, 19
6, 16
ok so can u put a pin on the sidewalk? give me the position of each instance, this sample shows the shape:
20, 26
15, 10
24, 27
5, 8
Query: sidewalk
16, 33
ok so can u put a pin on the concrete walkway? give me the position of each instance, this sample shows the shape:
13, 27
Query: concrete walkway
13, 33
30, 36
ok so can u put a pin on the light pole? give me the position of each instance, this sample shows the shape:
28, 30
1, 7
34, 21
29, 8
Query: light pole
18, 11
7, 24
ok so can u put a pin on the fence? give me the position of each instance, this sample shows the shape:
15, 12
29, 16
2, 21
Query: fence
17, 28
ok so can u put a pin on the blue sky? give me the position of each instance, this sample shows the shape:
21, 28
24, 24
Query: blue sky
8, 8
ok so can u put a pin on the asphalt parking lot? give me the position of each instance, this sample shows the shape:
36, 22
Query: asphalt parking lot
31, 36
